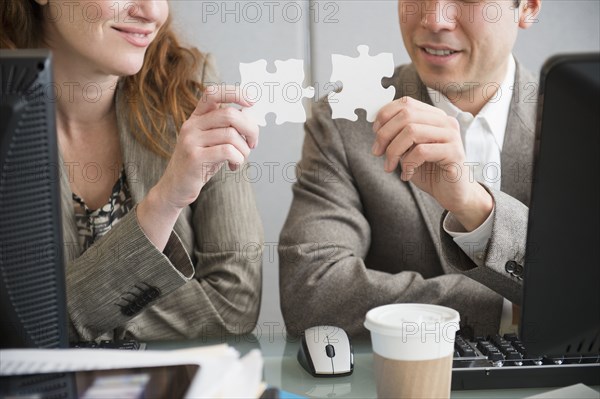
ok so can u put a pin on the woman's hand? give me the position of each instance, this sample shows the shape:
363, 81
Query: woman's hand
212, 136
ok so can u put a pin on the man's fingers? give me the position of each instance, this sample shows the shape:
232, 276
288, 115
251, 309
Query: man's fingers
215, 95
417, 156
412, 137
391, 109
385, 114
403, 123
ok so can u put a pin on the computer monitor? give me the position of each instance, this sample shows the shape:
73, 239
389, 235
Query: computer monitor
32, 286
561, 293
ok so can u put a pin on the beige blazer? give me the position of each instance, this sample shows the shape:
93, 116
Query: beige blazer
207, 281
357, 237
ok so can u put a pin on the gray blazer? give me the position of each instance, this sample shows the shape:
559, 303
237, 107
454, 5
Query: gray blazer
356, 237
208, 277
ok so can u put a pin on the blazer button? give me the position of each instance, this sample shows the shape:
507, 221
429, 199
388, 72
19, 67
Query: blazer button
150, 292
519, 270
153, 292
141, 302
128, 310
510, 266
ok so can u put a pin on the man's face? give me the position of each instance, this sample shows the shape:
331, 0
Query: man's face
460, 43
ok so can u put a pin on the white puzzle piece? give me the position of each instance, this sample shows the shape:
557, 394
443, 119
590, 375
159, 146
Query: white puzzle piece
280, 92
361, 80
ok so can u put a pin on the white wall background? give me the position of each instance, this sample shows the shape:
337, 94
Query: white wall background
245, 31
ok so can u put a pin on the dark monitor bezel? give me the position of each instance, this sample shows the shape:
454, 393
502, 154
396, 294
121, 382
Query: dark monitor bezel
561, 287
31, 80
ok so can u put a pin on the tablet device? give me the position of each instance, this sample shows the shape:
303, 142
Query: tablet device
130, 383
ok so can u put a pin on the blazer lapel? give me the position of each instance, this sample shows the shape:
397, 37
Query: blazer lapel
517, 150
143, 168
69, 227
409, 84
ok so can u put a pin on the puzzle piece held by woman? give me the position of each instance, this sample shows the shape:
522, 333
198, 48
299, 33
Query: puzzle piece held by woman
280, 92
361, 80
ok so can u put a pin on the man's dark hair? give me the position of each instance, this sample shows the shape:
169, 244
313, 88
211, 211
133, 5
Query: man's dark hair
517, 3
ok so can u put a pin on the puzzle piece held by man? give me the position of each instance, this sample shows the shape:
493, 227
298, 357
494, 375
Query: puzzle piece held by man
280, 92
361, 80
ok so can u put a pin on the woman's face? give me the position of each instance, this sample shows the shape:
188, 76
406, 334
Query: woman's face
108, 37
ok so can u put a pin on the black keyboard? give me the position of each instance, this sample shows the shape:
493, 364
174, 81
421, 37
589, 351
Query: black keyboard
126, 345
503, 362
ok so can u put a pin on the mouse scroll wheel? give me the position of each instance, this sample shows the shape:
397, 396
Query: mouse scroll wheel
330, 350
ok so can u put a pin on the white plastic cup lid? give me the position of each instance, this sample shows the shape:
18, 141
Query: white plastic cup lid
400, 318
412, 331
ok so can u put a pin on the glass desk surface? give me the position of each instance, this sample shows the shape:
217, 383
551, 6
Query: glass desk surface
282, 370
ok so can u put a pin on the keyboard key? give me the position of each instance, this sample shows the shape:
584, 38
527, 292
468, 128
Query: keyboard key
499, 341
520, 348
495, 356
511, 337
556, 359
514, 358
466, 350
488, 349
485, 347
514, 355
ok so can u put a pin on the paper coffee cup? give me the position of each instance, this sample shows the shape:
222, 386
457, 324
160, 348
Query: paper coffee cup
413, 345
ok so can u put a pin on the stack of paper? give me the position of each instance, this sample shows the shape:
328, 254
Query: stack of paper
223, 374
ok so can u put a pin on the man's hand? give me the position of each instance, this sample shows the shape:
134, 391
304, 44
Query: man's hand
427, 144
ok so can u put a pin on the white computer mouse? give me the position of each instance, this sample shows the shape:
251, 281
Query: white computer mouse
326, 351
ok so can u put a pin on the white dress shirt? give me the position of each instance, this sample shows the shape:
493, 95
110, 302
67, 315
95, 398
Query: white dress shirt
483, 137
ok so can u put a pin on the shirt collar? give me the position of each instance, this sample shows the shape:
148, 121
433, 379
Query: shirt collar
494, 112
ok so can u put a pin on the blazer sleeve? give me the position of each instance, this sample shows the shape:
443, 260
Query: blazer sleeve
504, 257
224, 295
213, 289
325, 240
104, 280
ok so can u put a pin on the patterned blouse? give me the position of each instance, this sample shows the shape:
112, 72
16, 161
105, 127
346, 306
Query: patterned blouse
93, 224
